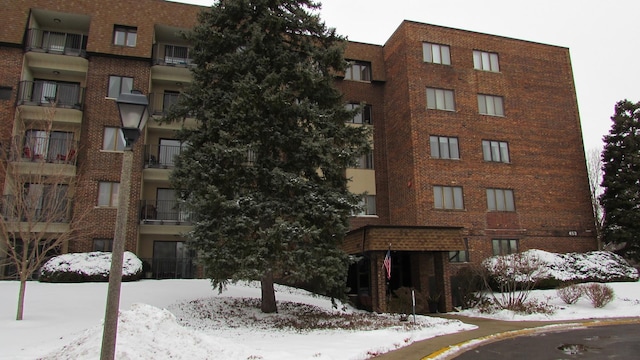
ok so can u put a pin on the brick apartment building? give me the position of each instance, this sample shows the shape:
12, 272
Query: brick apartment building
477, 140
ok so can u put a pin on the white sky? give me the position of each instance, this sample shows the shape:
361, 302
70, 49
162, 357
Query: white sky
602, 37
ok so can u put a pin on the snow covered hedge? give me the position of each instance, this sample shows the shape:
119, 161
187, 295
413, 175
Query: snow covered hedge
86, 267
555, 269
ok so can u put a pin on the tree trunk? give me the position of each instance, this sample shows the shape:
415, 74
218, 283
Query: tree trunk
268, 294
23, 287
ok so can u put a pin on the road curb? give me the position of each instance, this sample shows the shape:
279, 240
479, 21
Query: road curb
459, 348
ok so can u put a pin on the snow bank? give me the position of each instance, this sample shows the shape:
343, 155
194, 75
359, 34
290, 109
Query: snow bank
147, 332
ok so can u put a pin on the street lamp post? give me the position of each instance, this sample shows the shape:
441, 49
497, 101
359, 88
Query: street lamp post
133, 116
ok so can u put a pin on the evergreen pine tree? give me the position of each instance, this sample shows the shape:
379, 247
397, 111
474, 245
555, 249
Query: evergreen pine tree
265, 170
621, 180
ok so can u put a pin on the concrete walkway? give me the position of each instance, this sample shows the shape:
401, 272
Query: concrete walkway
488, 330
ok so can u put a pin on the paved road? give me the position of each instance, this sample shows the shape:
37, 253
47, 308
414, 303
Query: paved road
598, 342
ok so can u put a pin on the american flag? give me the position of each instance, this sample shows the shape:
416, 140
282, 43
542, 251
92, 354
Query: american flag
387, 264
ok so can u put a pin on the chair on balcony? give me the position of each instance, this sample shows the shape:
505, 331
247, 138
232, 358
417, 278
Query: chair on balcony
67, 158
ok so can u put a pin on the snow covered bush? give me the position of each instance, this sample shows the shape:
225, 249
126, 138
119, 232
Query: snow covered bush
570, 293
557, 269
513, 277
599, 294
88, 267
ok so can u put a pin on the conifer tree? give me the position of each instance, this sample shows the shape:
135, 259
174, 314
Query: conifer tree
265, 170
621, 180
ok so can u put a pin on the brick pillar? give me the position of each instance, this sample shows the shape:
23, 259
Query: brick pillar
378, 282
443, 281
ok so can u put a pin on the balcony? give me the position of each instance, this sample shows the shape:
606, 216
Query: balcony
164, 212
161, 156
171, 55
169, 268
160, 103
56, 148
56, 42
50, 93
46, 207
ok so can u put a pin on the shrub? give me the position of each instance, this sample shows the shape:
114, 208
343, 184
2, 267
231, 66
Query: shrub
599, 294
570, 293
401, 302
88, 267
513, 276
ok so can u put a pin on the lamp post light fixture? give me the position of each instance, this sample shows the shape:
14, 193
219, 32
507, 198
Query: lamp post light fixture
133, 109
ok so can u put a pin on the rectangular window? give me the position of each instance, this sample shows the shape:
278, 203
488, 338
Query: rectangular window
105, 245
113, 139
486, 61
119, 85
440, 99
443, 147
459, 256
366, 161
500, 200
125, 35
358, 71
108, 193
448, 197
504, 246
496, 151
362, 117
367, 205
490, 105
436, 53
5, 92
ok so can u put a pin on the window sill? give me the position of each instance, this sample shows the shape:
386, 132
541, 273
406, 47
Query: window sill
365, 216
112, 151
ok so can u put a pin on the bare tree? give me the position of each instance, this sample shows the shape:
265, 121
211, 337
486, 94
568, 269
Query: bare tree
40, 178
594, 170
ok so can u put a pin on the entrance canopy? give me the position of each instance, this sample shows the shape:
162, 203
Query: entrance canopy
403, 238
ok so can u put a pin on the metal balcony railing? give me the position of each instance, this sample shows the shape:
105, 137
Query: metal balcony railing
50, 206
160, 103
172, 55
49, 149
50, 93
169, 268
164, 212
56, 42
161, 156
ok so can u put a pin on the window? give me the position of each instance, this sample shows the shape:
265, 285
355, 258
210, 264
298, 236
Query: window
5, 92
367, 205
440, 99
105, 245
448, 197
500, 200
365, 161
53, 146
496, 151
459, 256
435, 53
358, 70
108, 193
119, 85
505, 246
443, 147
490, 105
44, 202
177, 55
113, 139
486, 61
125, 35
363, 116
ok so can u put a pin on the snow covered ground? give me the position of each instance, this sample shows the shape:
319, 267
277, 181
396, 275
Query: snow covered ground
187, 319
63, 321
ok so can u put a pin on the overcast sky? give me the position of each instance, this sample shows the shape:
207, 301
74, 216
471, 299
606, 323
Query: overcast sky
602, 36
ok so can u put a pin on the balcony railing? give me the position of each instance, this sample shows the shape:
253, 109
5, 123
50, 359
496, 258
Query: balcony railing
48, 207
164, 212
172, 55
45, 149
50, 93
160, 103
169, 268
56, 42
161, 156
